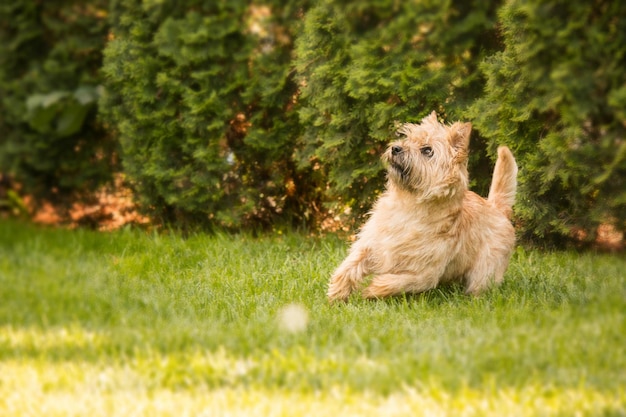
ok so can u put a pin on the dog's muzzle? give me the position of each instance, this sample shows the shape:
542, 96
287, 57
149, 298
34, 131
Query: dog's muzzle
396, 157
397, 161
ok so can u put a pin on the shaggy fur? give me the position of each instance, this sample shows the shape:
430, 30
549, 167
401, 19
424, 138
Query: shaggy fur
427, 228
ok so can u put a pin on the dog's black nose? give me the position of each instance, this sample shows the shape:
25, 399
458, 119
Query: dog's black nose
396, 149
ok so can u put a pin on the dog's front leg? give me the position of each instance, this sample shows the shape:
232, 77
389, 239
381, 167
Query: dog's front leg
390, 284
349, 274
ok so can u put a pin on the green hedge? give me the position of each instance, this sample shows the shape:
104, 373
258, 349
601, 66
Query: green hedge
368, 65
557, 95
51, 143
203, 97
253, 114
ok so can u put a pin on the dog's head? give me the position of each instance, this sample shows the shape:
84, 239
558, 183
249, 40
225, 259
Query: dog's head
431, 159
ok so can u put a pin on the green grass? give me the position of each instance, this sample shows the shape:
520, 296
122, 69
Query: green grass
134, 323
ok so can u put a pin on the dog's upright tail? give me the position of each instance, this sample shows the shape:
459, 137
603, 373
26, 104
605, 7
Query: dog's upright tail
504, 182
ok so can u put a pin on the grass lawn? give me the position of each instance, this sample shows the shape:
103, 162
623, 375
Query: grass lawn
134, 323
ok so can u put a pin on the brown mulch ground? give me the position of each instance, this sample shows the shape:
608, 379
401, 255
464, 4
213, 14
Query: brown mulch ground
112, 207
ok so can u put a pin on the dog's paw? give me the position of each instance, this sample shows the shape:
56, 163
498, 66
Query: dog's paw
338, 293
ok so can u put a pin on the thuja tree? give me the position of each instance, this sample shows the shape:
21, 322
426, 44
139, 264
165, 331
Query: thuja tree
365, 66
557, 95
266, 157
203, 96
51, 144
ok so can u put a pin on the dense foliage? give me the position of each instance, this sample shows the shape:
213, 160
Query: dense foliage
368, 65
50, 56
557, 95
203, 98
257, 113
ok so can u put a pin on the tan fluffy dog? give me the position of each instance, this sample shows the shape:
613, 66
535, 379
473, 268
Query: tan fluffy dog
427, 228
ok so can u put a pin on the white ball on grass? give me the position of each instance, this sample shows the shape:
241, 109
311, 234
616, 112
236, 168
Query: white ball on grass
293, 318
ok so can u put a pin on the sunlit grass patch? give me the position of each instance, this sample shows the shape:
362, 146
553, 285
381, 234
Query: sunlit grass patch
78, 389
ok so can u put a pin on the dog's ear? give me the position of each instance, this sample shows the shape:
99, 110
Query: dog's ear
460, 136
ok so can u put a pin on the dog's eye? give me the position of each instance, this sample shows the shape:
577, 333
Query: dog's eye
427, 151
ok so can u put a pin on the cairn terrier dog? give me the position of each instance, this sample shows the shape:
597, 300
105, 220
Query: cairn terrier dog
427, 227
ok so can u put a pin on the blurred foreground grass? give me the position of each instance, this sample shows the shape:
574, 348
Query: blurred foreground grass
133, 323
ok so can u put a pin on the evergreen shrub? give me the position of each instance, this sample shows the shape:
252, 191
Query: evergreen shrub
365, 66
203, 98
556, 95
235, 113
51, 144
